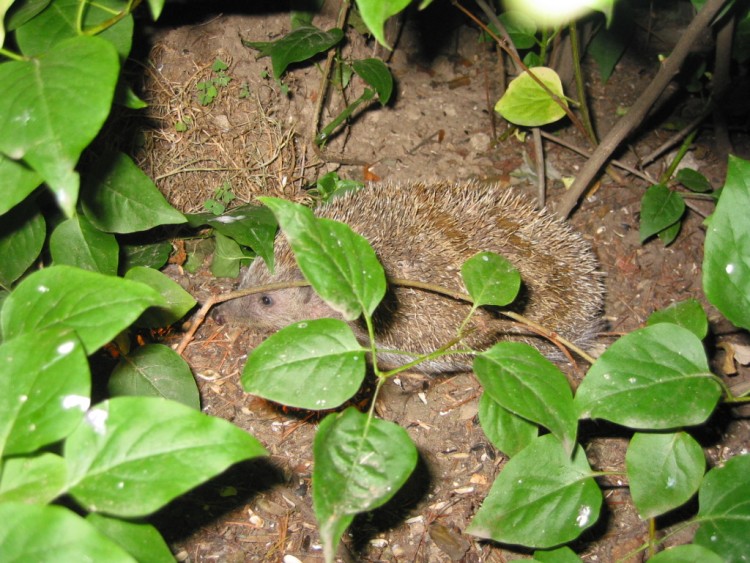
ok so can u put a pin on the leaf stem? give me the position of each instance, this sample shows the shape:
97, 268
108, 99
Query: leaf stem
11, 55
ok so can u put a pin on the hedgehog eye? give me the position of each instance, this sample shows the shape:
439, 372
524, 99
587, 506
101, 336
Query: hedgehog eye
266, 300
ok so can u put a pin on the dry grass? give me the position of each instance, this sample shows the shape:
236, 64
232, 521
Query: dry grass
232, 140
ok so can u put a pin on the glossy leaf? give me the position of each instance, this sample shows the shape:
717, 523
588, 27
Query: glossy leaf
660, 208
58, 22
653, 378
227, 258
526, 383
155, 370
726, 267
19, 181
542, 498
684, 553
33, 480
508, 432
44, 390
360, 464
340, 264
96, 306
693, 180
491, 279
177, 301
688, 314
52, 107
664, 471
142, 541
22, 234
376, 74
724, 510
375, 13
47, 534
526, 103
76, 242
135, 454
313, 365
153, 256
119, 198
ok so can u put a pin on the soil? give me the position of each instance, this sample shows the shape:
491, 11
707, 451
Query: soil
440, 125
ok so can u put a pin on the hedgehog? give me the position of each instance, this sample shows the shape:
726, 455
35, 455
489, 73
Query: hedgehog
425, 231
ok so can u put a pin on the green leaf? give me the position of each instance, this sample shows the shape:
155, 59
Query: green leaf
654, 378
76, 242
33, 480
18, 182
155, 370
96, 306
608, 46
50, 534
340, 264
520, 379
44, 390
508, 432
22, 234
724, 511
520, 27
526, 103
660, 208
313, 365
249, 225
668, 235
227, 258
119, 198
542, 498
376, 74
296, 46
683, 553
664, 471
155, 7
178, 301
560, 555
135, 454
360, 463
52, 107
375, 13
726, 266
21, 12
142, 541
693, 180
153, 255
688, 314
58, 22
491, 279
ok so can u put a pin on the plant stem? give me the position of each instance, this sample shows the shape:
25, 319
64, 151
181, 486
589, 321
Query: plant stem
12, 55
664, 178
575, 47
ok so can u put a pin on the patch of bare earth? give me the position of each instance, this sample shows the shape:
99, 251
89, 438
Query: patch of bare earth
440, 125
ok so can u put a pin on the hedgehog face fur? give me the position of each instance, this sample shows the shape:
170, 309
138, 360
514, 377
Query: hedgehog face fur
424, 232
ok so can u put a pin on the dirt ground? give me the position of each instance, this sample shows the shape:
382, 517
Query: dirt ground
440, 125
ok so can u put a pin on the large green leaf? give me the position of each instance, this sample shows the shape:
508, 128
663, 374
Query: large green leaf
52, 107
360, 463
542, 498
491, 279
340, 264
51, 534
76, 242
22, 234
135, 454
726, 262
33, 479
142, 541
660, 208
44, 389
521, 380
664, 471
119, 198
653, 378
376, 12
18, 182
314, 365
724, 510
178, 301
508, 432
155, 370
96, 306
59, 21
688, 314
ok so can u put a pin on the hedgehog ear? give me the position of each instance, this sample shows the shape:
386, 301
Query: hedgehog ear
315, 306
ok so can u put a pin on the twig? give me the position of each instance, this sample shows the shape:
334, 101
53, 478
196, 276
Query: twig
639, 110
